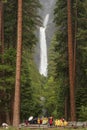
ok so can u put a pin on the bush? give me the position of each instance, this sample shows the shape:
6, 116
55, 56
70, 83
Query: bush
83, 113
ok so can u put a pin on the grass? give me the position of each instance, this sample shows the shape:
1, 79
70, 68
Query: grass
59, 128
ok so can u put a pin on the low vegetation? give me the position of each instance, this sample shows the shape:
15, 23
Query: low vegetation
46, 128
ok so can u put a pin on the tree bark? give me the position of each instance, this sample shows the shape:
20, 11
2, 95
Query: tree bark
70, 57
1, 31
0, 24
74, 68
8, 118
16, 111
66, 108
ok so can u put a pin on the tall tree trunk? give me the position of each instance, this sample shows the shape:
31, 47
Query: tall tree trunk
66, 109
74, 66
16, 111
2, 92
8, 118
70, 56
1, 31
2, 47
0, 24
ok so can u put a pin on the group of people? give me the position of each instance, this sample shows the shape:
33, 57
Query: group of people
45, 120
61, 122
48, 121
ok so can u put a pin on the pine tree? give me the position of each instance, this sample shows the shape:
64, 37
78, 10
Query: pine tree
70, 54
16, 114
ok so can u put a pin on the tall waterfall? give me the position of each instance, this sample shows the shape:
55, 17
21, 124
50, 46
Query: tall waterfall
44, 35
43, 47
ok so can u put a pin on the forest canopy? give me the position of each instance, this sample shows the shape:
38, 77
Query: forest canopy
67, 69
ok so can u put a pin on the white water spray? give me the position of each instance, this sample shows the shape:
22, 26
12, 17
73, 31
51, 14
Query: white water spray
43, 48
46, 21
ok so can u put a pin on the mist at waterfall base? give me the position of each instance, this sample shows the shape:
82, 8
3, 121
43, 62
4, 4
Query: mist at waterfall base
43, 48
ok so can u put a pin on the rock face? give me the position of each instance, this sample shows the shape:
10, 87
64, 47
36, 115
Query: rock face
47, 8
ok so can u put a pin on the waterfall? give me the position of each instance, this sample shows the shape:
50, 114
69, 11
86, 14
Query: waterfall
46, 20
43, 47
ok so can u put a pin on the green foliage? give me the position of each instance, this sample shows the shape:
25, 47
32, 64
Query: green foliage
7, 79
30, 88
55, 88
31, 20
50, 97
4, 1
81, 59
30, 79
58, 63
83, 113
58, 53
8, 69
10, 23
60, 13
